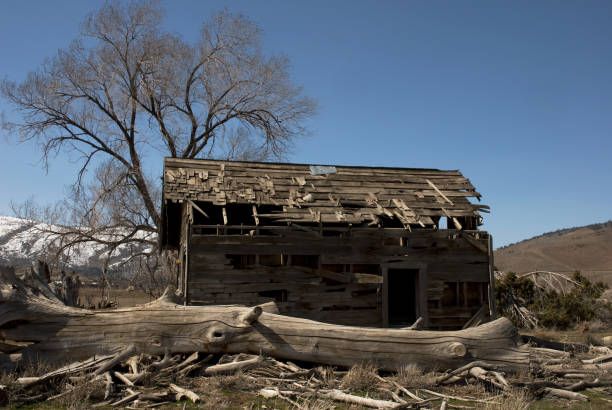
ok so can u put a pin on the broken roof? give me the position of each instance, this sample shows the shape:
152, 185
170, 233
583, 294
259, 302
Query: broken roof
322, 193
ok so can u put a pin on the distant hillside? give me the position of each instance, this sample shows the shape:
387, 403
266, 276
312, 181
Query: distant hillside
586, 248
21, 243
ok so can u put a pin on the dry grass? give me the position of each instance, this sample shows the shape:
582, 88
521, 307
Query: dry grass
328, 377
592, 326
240, 390
90, 296
412, 376
81, 395
29, 369
317, 403
362, 377
236, 381
34, 369
589, 333
518, 399
7, 379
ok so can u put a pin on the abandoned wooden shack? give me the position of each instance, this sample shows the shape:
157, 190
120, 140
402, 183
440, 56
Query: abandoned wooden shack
361, 246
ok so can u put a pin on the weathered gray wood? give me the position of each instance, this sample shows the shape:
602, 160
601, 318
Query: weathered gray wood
59, 333
492, 307
449, 257
414, 192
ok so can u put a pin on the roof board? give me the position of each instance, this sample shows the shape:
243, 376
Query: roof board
350, 195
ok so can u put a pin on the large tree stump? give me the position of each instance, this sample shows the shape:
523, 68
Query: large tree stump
58, 333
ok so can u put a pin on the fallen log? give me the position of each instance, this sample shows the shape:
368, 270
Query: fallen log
598, 359
564, 394
552, 345
228, 368
131, 397
59, 333
462, 369
361, 401
583, 384
181, 392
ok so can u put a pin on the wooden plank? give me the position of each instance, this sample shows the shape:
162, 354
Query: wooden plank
197, 208
476, 243
186, 226
446, 185
285, 183
436, 245
439, 192
258, 245
281, 191
255, 215
455, 221
367, 278
250, 177
366, 231
199, 163
492, 307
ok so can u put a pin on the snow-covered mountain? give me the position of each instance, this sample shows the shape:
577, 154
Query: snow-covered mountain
21, 242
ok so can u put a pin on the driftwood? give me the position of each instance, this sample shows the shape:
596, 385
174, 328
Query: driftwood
464, 369
550, 344
233, 367
564, 394
140, 356
269, 379
59, 333
548, 281
599, 359
362, 401
181, 392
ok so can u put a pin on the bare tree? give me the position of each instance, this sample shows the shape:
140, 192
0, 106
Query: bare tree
126, 88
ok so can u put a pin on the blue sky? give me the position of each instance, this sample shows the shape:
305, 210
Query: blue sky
515, 94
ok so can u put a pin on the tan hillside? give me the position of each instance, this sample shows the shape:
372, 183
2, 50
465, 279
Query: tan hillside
587, 248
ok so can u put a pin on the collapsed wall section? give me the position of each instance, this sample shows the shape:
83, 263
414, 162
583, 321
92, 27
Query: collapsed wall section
359, 277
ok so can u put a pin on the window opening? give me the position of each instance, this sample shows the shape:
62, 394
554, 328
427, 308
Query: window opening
443, 223
372, 269
273, 260
279, 295
453, 294
307, 261
241, 261
474, 293
338, 268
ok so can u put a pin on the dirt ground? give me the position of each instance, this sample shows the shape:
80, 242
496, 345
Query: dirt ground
91, 296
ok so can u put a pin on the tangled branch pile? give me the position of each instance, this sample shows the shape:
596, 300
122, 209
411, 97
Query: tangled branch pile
138, 381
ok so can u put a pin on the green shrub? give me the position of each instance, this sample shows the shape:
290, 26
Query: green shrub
551, 308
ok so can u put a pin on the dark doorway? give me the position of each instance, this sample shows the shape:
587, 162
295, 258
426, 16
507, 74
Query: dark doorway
402, 296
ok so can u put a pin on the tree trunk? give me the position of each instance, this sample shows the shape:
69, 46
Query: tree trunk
59, 333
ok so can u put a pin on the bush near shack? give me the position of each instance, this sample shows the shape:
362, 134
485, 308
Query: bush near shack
552, 308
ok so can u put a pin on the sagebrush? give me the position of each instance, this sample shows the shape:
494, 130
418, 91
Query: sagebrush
553, 309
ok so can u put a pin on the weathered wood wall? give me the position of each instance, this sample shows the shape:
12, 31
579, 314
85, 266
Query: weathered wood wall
336, 276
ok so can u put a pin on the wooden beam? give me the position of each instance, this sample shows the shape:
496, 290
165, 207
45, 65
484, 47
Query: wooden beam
255, 215
475, 242
197, 208
439, 192
491, 279
455, 220
57, 333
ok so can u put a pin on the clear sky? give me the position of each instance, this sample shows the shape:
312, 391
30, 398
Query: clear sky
515, 94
